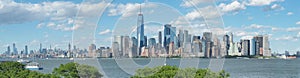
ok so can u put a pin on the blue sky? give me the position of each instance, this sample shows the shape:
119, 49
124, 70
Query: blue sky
82, 22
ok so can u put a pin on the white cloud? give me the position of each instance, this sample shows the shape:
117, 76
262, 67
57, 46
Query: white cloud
274, 7
206, 18
46, 36
257, 26
127, 10
58, 15
290, 13
262, 2
293, 29
193, 15
232, 7
34, 43
262, 27
289, 38
208, 12
250, 18
190, 3
298, 23
105, 32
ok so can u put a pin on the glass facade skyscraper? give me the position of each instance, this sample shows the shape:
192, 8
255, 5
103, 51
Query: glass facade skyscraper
140, 31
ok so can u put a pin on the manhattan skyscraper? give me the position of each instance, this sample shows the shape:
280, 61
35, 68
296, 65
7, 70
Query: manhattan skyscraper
140, 31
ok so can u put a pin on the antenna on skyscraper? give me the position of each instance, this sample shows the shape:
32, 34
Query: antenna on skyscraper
140, 8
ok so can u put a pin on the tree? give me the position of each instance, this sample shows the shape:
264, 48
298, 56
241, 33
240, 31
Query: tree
75, 70
172, 71
17, 70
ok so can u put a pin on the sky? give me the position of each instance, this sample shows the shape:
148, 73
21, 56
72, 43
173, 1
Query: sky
57, 23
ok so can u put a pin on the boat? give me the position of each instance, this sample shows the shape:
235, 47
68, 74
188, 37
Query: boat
33, 66
291, 57
23, 61
71, 58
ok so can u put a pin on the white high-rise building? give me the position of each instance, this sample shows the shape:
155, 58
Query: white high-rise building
115, 49
233, 50
119, 40
266, 48
126, 46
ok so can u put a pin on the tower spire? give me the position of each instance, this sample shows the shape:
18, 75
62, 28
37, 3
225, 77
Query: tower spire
140, 8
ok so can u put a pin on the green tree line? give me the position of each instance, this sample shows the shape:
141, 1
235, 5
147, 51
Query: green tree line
69, 70
175, 72
75, 70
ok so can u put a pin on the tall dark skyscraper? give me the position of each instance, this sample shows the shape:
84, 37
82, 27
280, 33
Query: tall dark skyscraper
169, 35
69, 50
151, 42
159, 37
69, 47
140, 30
146, 40
8, 50
258, 45
226, 43
195, 38
26, 49
245, 47
180, 38
15, 51
207, 40
41, 47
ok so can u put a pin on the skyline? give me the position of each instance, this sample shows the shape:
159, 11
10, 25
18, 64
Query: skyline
274, 17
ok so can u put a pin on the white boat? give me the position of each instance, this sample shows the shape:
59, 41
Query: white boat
23, 61
71, 58
33, 66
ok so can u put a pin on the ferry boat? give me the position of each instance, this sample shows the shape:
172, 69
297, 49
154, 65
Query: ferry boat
33, 66
23, 61
291, 57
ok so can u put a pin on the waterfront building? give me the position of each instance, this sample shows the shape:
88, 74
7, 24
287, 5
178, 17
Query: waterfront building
195, 38
207, 42
226, 43
266, 48
40, 50
171, 49
233, 50
8, 50
126, 46
258, 45
180, 38
216, 47
92, 50
197, 48
287, 53
115, 50
186, 36
151, 42
145, 52
26, 50
15, 51
134, 47
140, 31
119, 40
245, 47
146, 40
169, 35
159, 37
69, 51
298, 54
